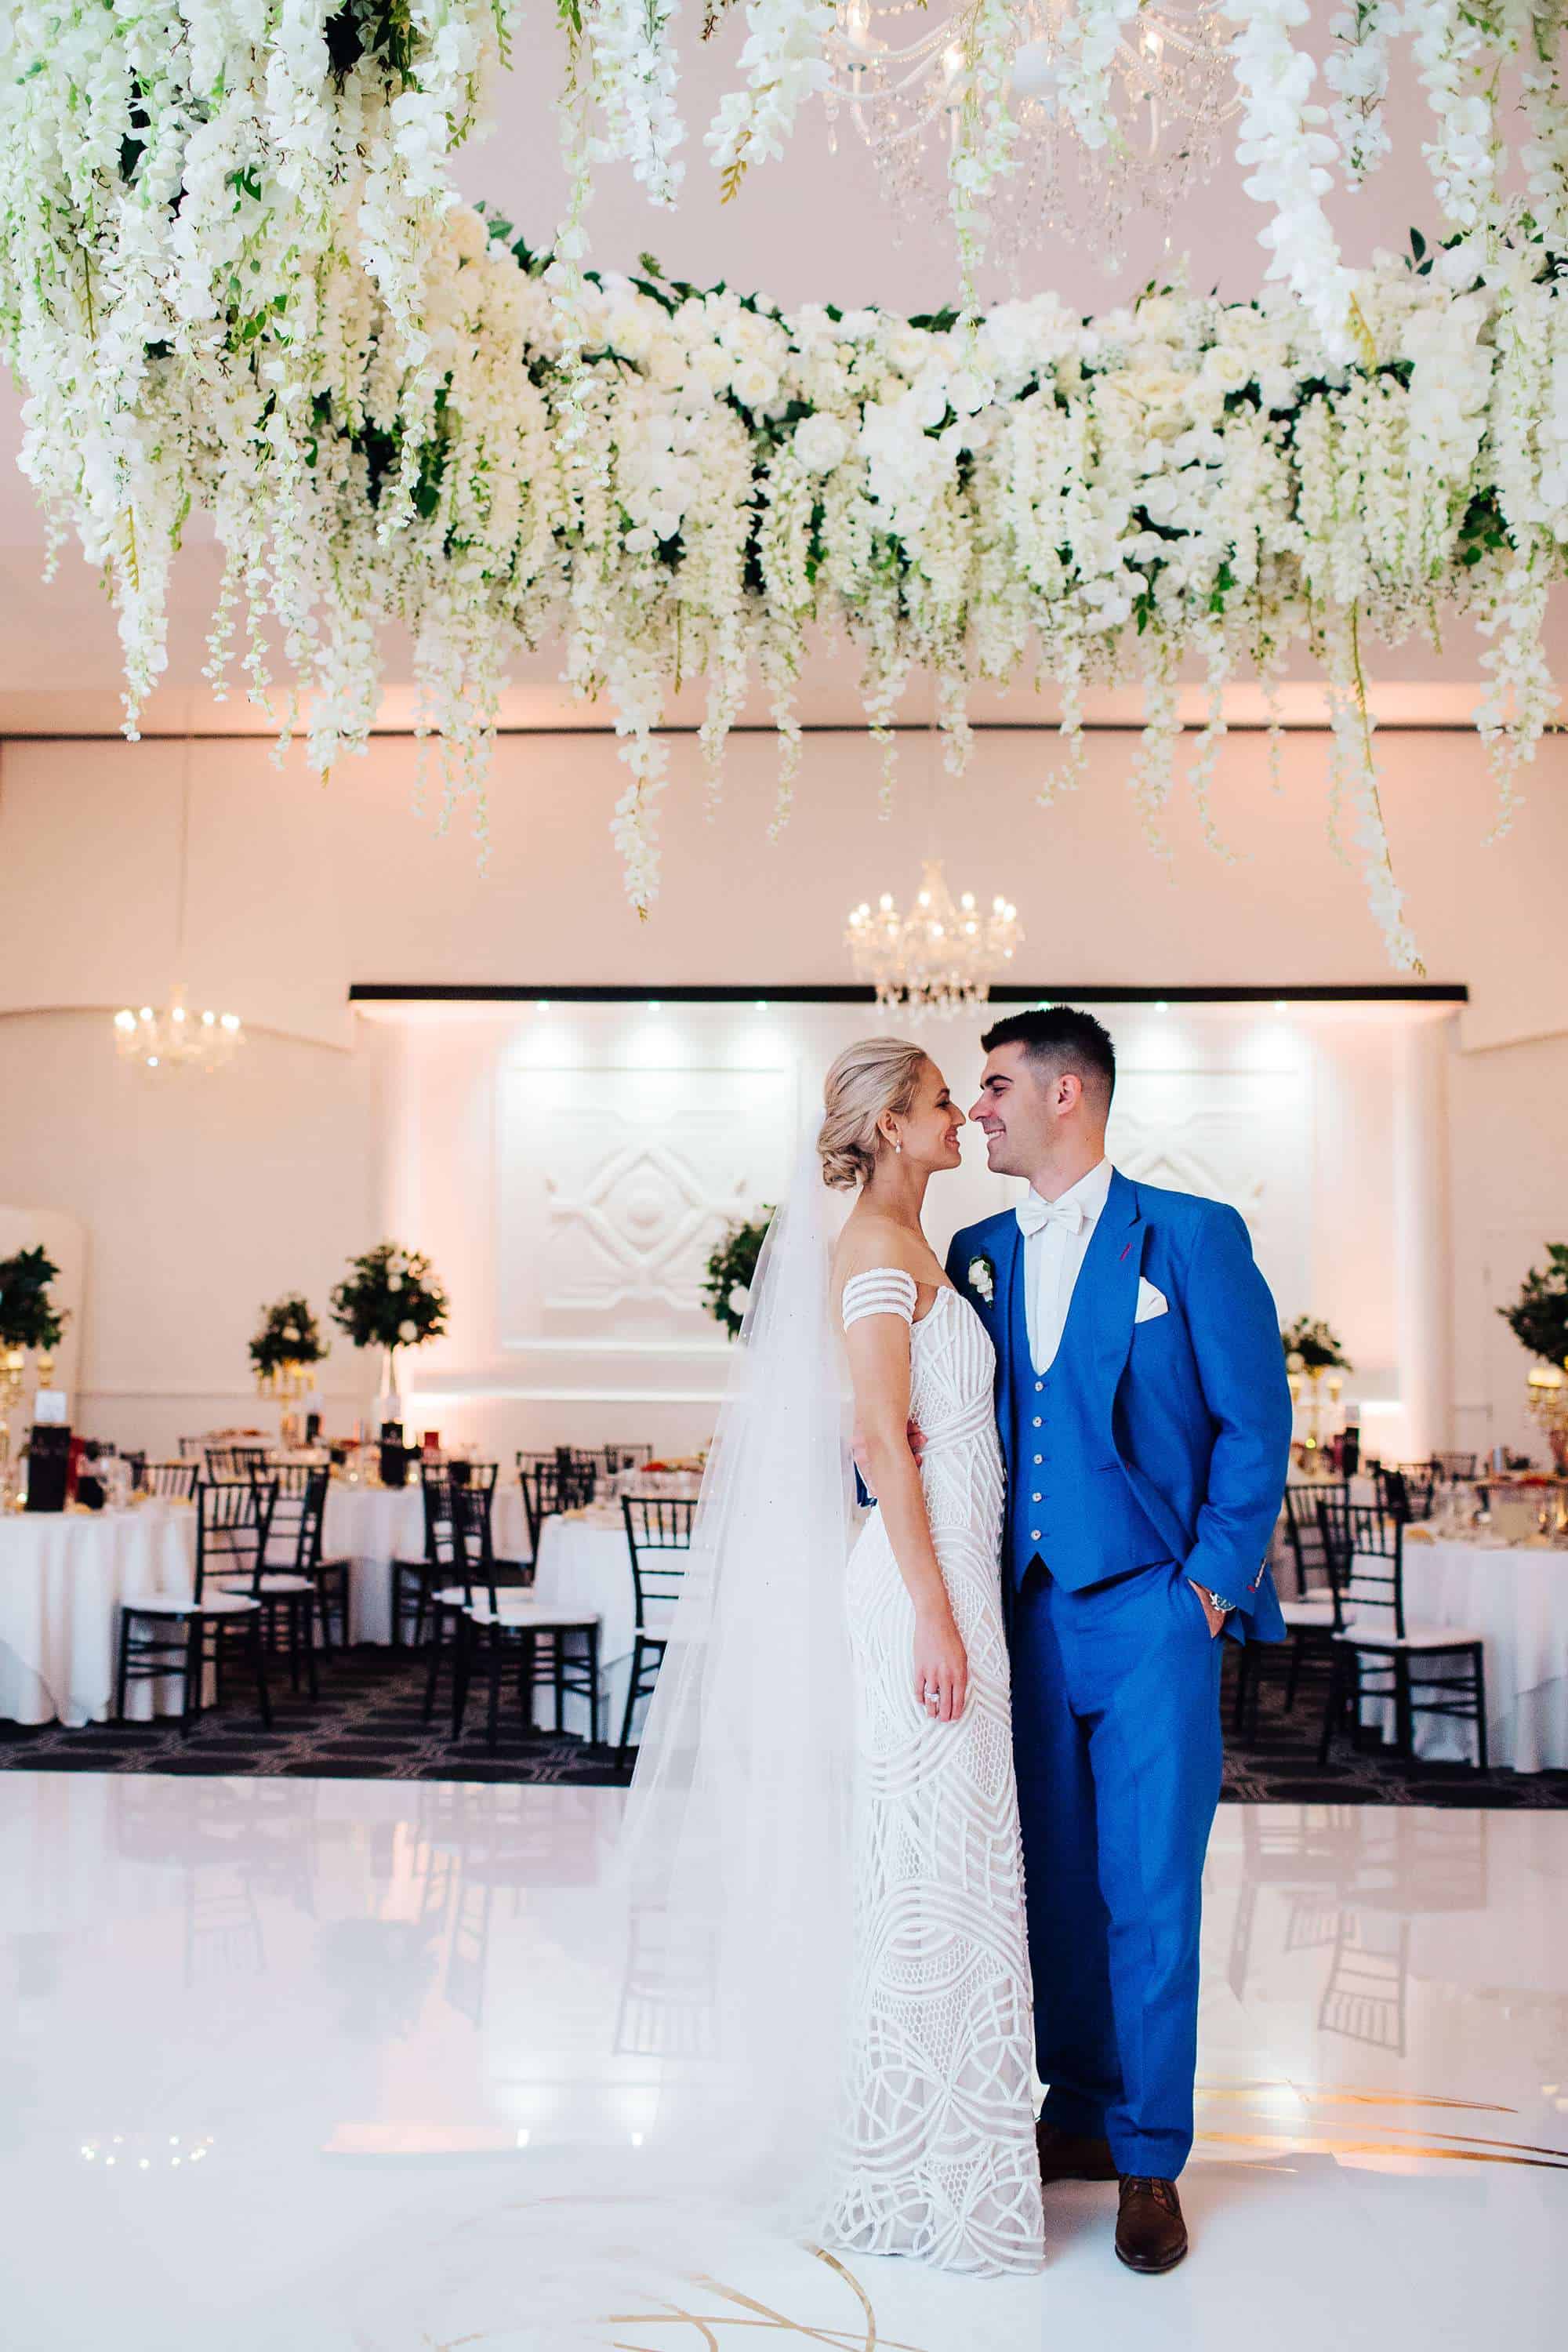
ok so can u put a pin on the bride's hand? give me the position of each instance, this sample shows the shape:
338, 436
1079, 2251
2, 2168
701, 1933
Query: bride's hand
941, 1665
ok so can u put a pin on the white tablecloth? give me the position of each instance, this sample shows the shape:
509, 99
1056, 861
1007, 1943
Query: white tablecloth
588, 1567
370, 1526
63, 1576
1517, 1601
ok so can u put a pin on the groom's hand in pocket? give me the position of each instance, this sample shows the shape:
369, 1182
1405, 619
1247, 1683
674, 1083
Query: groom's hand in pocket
1215, 1616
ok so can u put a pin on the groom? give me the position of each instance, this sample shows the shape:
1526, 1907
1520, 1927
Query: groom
1145, 1418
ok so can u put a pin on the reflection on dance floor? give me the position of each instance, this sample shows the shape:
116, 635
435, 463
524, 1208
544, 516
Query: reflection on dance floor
382, 2055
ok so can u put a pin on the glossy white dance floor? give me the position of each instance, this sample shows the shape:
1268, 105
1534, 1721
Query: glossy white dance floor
348, 2066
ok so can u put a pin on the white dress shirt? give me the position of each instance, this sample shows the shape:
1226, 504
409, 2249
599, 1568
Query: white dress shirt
1052, 1259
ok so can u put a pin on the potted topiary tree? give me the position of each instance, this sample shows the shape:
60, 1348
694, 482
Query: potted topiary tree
390, 1299
287, 1344
1538, 1321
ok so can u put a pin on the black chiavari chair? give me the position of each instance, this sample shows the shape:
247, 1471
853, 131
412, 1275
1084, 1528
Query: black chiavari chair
659, 1537
1377, 1653
549, 1486
1450, 1466
234, 1462
1304, 1538
1309, 1612
626, 1457
414, 1581
296, 1540
172, 1482
287, 1598
557, 1649
1406, 1490
163, 1636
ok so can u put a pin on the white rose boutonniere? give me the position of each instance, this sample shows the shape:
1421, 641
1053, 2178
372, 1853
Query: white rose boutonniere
982, 1278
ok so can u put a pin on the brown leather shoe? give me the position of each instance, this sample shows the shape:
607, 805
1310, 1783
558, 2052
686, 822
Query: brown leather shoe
1150, 2234
1072, 2156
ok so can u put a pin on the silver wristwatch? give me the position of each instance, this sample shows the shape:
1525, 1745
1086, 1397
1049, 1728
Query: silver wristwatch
1218, 1601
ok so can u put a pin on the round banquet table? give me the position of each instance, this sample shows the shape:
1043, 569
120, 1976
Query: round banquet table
63, 1575
584, 1563
370, 1526
1515, 1597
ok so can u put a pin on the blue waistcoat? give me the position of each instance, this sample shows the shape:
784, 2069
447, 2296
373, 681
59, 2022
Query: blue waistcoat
1167, 1436
1060, 1457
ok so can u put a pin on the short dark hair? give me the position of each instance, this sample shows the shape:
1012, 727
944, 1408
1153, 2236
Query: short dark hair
1060, 1037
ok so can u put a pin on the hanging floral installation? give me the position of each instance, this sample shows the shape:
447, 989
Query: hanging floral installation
217, 220
236, 280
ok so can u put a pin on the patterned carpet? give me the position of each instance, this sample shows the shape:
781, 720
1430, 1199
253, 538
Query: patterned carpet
366, 1726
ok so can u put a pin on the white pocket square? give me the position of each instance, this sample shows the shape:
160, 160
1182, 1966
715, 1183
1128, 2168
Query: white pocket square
1150, 1302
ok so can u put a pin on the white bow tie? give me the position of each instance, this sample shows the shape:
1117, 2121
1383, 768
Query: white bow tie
1034, 1215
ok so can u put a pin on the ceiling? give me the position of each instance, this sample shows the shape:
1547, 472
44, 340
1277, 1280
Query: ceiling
811, 225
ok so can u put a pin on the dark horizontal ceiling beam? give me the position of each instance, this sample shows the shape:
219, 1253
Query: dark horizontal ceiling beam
758, 992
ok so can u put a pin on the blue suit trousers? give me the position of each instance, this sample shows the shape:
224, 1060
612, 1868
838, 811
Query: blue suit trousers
1118, 1752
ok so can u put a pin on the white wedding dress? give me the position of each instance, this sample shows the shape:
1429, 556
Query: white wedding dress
938, 2157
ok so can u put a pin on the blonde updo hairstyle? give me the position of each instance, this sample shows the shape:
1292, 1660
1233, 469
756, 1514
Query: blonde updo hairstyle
867, 1079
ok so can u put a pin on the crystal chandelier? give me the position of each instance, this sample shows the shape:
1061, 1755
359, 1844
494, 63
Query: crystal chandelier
171, 1036
939, 957
174, 1038
900, 68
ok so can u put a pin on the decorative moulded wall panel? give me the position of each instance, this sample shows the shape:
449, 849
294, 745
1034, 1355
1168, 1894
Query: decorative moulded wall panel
621, 1204
1243, 1137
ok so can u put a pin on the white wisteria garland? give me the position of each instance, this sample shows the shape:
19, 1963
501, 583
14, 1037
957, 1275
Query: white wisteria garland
231, 287
216, 218
1290, 145
1475, 58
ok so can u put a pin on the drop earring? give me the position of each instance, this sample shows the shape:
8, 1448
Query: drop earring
898, 1146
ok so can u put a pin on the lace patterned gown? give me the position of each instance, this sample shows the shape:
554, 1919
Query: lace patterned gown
939, 2158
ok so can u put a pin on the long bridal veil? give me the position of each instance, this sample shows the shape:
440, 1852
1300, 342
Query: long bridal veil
735, 1849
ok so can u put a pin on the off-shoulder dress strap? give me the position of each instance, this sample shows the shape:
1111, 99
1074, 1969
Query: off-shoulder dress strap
882, 1290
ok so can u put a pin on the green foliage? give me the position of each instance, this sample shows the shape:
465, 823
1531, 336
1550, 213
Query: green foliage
733, 1268
1483, 530
1538, 1316
383, 28
289, 1334
1318, 1348
389, 1298
28, 1316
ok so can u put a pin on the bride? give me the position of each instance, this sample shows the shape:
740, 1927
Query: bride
821, 1844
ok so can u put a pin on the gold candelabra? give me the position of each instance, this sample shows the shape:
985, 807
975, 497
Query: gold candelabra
12, 1364
289, 1384
1307, 1395
1547, 1398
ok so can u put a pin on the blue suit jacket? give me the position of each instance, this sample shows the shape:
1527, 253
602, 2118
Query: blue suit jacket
1193, 1404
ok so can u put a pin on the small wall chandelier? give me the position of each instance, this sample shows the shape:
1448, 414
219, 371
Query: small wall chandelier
171, 1036
940, 957
901, 72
